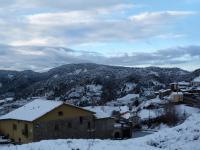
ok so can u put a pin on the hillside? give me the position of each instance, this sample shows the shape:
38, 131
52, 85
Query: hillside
87, 83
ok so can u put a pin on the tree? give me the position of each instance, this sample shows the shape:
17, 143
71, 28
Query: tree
170, 114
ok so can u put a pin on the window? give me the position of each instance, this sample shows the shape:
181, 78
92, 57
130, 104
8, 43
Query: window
14, 127
19, 140
25, 130
81, 120
89, 125
60, 113
69, 125
56, 128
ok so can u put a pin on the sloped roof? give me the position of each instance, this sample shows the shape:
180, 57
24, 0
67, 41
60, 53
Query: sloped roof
32, 110
197, 79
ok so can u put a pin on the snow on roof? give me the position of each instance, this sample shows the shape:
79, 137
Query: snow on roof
197, 79
177, 93
164, 90
32, 110
184, 83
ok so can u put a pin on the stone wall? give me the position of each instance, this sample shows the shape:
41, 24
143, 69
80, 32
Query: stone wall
84, 128
79, 127
104, 128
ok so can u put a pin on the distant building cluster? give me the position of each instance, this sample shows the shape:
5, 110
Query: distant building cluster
179, 90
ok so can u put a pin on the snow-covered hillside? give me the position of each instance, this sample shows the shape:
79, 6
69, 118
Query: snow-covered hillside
87, 82
183, 137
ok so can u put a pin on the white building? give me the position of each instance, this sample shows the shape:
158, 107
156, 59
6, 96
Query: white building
176, 97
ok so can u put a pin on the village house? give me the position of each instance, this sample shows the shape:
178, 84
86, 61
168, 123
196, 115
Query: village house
195, 90
175, 87
119, 122
45, 119
163, 93
176, 97
196, 81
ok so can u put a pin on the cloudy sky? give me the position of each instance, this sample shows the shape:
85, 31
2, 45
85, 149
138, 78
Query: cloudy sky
41, 34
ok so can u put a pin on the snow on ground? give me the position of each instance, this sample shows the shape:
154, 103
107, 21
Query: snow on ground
128, 99
156, 101
81, 145
97, 89
10, 76
186, 110
9, 99
2, 101
129, 86
106, 111
145, 114
183, 137
182, 109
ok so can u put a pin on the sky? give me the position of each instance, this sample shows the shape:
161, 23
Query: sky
42, 34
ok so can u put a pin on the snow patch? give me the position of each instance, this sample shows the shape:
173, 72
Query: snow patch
10, 76
129, 86
106, 111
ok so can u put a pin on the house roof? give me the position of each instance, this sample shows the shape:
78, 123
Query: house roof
197, 79
34, 110
176, 93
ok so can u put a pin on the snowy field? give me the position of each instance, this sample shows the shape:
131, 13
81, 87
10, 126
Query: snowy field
183, 137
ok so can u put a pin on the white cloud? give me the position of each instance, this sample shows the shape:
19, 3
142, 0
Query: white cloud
88, 26
153, 18
73, 22
170, 36
62, 18
41, 58
31, 42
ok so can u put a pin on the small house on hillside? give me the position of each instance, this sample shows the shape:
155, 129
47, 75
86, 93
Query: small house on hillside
195, 90
176, 97
116, 120
179, 86
163, 93
196, 81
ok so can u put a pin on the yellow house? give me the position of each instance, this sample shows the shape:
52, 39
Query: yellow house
45, 119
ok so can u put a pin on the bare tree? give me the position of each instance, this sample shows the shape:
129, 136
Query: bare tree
170, 114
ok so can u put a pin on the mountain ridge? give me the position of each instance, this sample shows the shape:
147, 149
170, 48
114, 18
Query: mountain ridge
109, 82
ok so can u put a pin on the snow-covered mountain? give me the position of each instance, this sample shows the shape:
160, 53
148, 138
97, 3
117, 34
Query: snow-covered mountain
87, 83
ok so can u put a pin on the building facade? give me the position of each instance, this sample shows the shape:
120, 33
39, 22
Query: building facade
44, 120
63, 121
